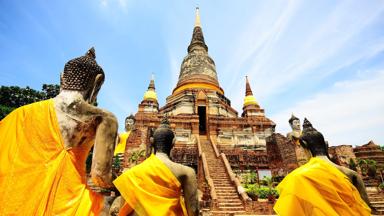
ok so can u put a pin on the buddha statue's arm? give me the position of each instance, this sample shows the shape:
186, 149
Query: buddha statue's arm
190, 192
105, 141
359, 184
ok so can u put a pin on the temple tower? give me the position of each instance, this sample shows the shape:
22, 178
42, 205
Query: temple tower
198, 93
149, 102
250, 106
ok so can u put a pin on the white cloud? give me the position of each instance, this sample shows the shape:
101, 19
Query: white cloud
175, 71
121, 4
275, 58
104, 3
351, 112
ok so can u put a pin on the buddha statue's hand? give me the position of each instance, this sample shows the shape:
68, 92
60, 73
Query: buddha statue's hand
95, 188
102, 177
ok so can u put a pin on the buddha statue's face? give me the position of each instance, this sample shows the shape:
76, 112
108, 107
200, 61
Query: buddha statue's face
295, 124
129, 124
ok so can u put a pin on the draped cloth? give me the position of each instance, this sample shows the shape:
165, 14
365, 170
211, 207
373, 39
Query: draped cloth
120, 147
318, 188
38, 176
150, 188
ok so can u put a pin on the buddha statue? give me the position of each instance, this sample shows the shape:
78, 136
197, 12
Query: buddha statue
314, 141
80, 122
294, 122
321, 187
155, 186
302, 154
44, 147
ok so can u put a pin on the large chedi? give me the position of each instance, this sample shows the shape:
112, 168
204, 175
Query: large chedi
209, 132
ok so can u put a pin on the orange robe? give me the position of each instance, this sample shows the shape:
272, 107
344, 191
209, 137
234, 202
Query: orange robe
38, 176
319, 189
150, 188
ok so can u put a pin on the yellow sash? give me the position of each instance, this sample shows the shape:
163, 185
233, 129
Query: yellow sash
318, 188
37, 175
150, 188
120, 147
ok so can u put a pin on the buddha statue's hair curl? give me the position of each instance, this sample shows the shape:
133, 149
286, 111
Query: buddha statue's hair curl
163, 137
313, 139
80, 73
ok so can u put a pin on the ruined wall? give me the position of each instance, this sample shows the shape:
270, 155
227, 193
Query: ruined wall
281, 154
342, 154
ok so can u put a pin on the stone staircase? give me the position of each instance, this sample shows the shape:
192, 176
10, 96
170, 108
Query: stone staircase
228, 201
377, 202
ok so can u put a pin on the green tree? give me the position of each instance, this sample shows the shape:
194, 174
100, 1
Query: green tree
352, 165
12, 97
372, 168
363, 164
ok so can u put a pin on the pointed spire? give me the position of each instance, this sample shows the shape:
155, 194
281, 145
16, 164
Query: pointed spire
152, 83
249, 98
197, 20
151, 93
197, 36
248, 90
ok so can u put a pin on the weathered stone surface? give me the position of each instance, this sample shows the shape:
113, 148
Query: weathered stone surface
370, 151
342, 155
282, 154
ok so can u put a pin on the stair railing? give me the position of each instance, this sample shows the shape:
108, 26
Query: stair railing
236, 181
213, 142
208, 178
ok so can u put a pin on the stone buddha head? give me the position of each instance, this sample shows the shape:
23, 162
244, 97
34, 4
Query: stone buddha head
129, 122
294, 122
163, 137
313, 140
84, 75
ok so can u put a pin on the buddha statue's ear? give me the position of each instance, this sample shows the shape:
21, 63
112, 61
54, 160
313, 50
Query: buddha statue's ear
173, 141
99, 80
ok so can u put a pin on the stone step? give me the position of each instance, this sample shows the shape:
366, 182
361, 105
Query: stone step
228, 187
239, 204
231, 208
216, 212
220, 178
231, 202
377, 202
228, 197
226, 193
371, 199
222, 185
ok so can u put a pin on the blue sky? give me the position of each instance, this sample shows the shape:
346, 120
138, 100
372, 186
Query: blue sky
318, 59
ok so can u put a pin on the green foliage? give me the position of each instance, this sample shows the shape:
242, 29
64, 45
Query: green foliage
4, 111
249, 178
262, 192
381, 186
88, 162
368, 167
12, 97
352, 165
116, 162
51, 90
135, 156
